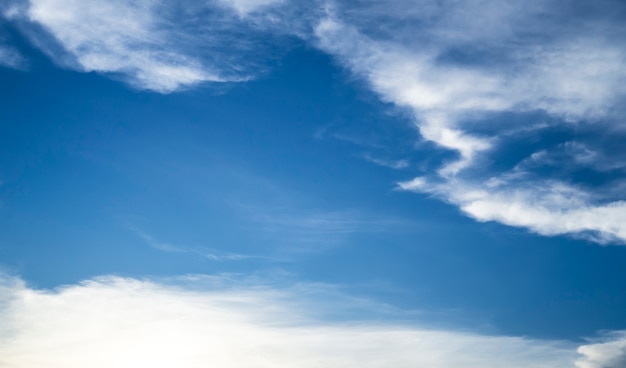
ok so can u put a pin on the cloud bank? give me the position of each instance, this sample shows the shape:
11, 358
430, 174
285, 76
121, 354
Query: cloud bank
199, 321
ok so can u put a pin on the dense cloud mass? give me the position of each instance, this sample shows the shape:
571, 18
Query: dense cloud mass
199, 321
478, 77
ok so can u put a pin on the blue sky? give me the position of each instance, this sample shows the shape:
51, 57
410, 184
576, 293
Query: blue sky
342, 183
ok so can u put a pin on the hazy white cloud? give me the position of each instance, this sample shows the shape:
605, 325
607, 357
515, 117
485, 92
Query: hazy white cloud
151, 44
200, 251
244, 7
200, 321
610, 352
393, 164
572, 155
11, 58
456, 64
544, 207
120, 37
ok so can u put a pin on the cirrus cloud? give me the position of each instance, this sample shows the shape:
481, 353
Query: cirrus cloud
476, 76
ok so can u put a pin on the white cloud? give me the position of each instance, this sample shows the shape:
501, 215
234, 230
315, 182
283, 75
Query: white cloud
121, 322
120, 37
151, 44
547, 208
608, 353
244, 7
456, 64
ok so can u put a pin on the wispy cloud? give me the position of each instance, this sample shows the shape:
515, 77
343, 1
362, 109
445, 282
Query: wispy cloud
151, 44
201, 251
11, 58
477, 77
247, 6
297, 230
121, 322
129, 38
547, 208
456, 66
393, 164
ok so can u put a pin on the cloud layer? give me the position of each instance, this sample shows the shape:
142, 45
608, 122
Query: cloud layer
478, 77
199, 321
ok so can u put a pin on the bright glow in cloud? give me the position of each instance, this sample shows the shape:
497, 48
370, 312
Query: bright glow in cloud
117, 322
608, 353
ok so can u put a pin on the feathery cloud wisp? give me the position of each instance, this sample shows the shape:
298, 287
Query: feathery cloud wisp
11, 58
456, 66
150, 44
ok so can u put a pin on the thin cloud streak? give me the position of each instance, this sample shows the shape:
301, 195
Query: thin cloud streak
204, 252
122, 322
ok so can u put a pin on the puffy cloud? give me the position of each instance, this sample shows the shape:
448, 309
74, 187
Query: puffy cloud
200, 321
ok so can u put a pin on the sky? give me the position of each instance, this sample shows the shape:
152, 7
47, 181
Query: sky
331, 183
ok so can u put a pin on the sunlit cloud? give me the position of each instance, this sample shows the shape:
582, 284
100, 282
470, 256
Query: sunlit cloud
608, 352
200, 320
455, 67
150, 44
